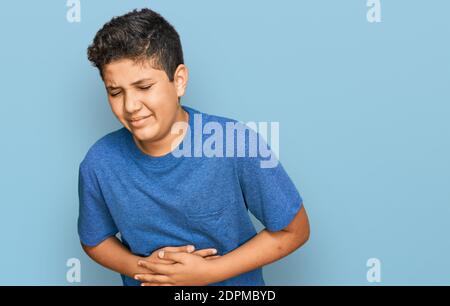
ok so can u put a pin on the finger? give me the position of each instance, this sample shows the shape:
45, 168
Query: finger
155, 259
156, 267
164, 261
178, 257
152, 278
185, 248
150, 284
212, 257
205, 252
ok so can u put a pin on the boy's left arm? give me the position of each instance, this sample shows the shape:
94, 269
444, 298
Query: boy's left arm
265, 248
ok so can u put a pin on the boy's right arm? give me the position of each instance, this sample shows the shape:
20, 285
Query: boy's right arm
112, 254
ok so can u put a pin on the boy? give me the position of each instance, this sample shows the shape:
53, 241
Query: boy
166, 205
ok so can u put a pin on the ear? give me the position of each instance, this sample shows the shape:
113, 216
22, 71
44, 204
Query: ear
180, 79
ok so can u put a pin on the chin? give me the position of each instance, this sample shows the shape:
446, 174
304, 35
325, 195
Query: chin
145, 134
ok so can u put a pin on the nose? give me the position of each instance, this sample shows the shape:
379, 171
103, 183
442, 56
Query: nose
132, 103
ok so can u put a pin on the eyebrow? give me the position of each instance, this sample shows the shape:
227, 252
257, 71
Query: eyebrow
134, 83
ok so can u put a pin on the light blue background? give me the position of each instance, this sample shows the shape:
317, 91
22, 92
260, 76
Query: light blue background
364, 126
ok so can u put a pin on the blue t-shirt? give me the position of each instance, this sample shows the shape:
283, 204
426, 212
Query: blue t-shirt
155, 202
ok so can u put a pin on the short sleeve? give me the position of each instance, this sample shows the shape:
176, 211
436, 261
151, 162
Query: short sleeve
269, 193
95, 223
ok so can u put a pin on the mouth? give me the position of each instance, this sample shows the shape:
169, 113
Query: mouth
139, 121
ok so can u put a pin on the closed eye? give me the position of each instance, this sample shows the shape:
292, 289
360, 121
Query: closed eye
113, 94
145, 87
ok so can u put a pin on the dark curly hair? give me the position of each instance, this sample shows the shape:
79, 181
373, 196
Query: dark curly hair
138, 35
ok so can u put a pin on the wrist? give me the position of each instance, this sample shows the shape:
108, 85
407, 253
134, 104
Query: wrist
132, 267
215, 270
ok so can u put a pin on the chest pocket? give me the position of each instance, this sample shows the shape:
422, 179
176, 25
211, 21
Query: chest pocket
209, 197
211, 227
206, 208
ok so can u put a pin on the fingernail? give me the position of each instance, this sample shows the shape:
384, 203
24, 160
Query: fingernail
161, 254
214, 251
190, 248
136, 277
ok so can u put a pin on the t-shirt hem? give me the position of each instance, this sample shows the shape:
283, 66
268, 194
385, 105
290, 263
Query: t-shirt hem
94, 242
287, 220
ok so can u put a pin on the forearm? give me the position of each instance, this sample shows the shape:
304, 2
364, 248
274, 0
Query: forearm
113, 255
265, 248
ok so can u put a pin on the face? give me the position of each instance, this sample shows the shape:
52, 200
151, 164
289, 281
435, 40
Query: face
143, 98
